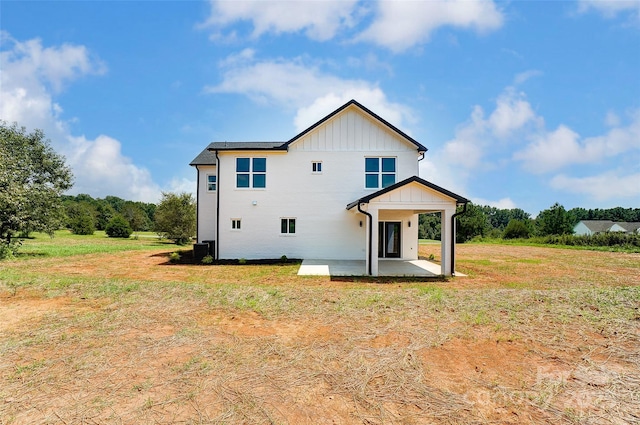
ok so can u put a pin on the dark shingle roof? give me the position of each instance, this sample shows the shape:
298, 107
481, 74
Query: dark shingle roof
598, 226
365, 199
208, 157
629, 226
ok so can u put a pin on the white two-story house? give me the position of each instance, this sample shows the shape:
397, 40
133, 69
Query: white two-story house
346, 188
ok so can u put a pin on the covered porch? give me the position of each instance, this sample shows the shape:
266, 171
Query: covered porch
392, 226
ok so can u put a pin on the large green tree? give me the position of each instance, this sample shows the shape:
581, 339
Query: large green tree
32, 178
554, 221
175, 217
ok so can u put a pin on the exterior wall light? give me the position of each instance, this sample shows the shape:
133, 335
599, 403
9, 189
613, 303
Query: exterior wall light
255, 203
409, 223
360, 223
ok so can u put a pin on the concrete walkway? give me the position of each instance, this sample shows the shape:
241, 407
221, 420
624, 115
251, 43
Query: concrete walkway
422, 268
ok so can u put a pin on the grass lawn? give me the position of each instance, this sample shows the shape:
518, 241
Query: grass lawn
95, 330
64, 243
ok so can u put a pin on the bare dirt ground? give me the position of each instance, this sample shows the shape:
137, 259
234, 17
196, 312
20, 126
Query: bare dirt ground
532, 335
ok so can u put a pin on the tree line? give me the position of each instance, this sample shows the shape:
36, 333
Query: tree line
492, 222
33, 180
174, 217
84, 214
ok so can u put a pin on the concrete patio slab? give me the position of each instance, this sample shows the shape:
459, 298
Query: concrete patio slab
421, 268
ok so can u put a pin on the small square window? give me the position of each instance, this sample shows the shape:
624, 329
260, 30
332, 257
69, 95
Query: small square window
235, 224
372, 181
242, 180
316, 167
260, 180
259, 165
212, 182
242, 165
388, 165
371, 165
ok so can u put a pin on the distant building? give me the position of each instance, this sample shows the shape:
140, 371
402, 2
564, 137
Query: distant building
593, 227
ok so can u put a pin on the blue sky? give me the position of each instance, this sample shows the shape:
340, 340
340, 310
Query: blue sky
521, 104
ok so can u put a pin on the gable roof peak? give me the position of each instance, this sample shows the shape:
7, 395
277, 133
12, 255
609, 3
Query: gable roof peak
367, 111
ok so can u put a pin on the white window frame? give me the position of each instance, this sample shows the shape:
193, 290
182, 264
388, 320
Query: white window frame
251, 173
214, 183
236, 224
316, 167
380, 173
287, 229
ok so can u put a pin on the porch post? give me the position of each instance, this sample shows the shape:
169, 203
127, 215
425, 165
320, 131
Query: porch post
445, 240
374, 241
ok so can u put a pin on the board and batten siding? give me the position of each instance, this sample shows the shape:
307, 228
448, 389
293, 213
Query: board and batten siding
413, 194
351, 131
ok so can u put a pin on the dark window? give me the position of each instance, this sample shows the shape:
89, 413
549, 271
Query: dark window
251, 172
211, 183
287, 225
379, 172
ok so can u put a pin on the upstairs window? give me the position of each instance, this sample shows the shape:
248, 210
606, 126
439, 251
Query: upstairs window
379, 172
212, 182
316, 167
288, 225
236, 224
251, 173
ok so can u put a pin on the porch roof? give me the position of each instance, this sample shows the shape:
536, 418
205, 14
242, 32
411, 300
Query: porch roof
415, 179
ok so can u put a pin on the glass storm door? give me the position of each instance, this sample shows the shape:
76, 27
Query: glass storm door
389, 239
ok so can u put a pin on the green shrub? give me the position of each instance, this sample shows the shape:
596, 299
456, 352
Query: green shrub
118, 227
207, 259
82, 225
174, 257
9, 249
516, 229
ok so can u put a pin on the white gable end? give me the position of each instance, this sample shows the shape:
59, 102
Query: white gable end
414, 193
352, 130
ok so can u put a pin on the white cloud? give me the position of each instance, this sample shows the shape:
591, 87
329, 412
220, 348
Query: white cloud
101, 169
610, 8
312, 92
525, 76
31, 76
399, 25
503, 204
601, 187
319, 20
179, 185
511, 114
562, 147
454, 164
612, 119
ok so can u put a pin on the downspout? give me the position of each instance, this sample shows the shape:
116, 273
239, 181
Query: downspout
218, 206
370, 233
198, 205
453, 239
